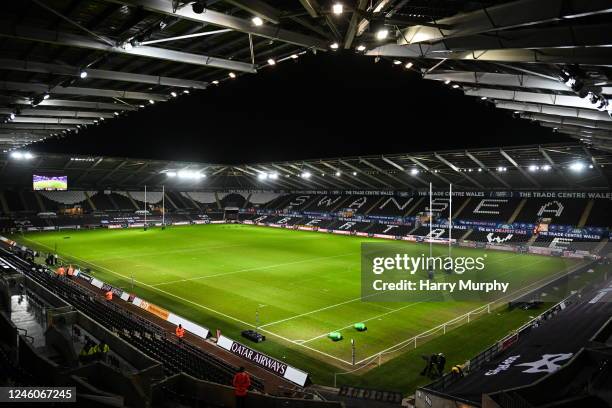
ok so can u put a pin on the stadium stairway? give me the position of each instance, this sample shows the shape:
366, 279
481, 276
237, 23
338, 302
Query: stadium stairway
458, 211
40, 202
517, 211
91, 204
168, 199
132, 201
585, 214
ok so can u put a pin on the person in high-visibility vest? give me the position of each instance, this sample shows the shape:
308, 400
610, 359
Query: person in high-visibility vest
103, 349
108, 295
241, 383
61, 271
180, 332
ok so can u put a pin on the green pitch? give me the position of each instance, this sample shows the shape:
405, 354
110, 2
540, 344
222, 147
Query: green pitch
297, 287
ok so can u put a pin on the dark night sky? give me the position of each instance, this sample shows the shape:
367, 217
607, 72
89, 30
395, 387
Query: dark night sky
322, 106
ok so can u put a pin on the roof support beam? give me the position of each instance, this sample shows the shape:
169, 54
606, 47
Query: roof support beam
561, 120
487, 78
39, 126
334, 183
225, 20
482, 166
532, 97
360, 171
57, 69
59, 113
7, 29
258, 8
452, 166
426, 168
337, 170
510, 15
591, 56
567, 36
554, 165
71, 104
353, 24
519, 168
402, 183
580, 113
52, 121
311, 6
70, 90
580, 131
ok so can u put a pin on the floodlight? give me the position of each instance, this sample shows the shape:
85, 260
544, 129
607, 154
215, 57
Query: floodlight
17, 155
334, 46
546, 167
83, 74
262, 176
409, 65
273, 176
577, 166
447, 82
115, 113
215, 82
173, 94
338, 174
382, 34
306, 175
186, 91
294, 56
414, 172
232, 75
354, 173
12, 116
337, 8
151, 101
397, 62
361, 47
171, 173
257, 21
484, 98
455, 86
271, 62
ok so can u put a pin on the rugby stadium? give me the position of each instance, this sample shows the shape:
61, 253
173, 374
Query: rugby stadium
476, 276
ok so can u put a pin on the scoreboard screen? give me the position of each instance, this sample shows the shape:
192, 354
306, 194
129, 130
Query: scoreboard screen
50, 182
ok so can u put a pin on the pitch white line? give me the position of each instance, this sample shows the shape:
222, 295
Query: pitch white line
366, 320
319, 310
176, 251
198, 305
352, 300
259, 268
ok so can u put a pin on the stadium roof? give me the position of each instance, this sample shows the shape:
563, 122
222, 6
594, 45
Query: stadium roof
138, 52
547, 167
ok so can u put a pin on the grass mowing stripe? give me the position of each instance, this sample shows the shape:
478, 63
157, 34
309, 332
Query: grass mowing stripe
204, 307
298, 297
260, 268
